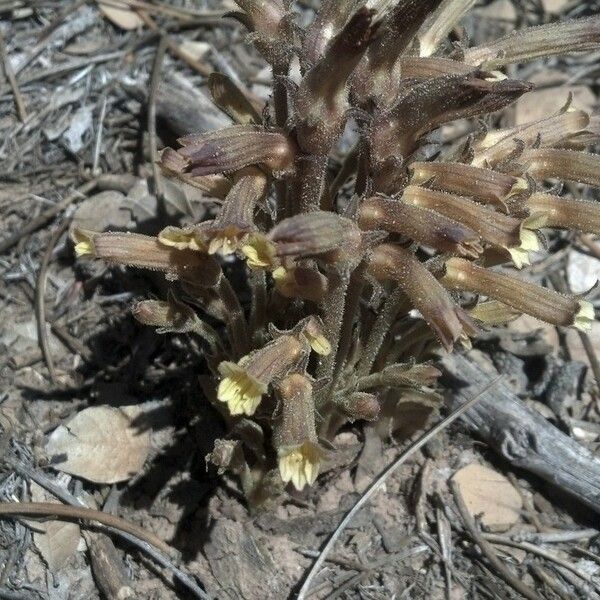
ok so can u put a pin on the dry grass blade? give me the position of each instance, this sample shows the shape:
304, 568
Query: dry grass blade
382, 478
40, 307
10, 75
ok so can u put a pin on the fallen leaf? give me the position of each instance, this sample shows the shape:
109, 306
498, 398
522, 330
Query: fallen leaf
124, 17
100, 444
489, 496
57, 541
193, 49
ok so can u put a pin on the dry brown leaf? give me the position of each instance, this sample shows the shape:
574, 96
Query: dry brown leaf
489, 496
100, 444
57, 541
124, 17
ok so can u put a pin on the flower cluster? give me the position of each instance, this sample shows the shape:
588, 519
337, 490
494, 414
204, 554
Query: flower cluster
355, 264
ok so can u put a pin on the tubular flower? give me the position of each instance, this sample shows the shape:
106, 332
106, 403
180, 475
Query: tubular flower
243, 384
146, 252
447, 320
525, 297
514, 235
549, 163
566, 213
295, 435
313, 234
420, 224
578, 35
501, 144
427, 105
231, 149
484, 185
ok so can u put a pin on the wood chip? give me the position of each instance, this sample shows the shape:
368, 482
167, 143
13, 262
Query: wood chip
489, 496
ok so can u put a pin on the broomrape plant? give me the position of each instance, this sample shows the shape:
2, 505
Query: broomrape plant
342, 246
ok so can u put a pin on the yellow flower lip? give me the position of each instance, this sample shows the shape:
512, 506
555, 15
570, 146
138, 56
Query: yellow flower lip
259, 252
85, 248
241, 391
530, 242
300, 464
84, 242
585, 317
181, 239
318, 343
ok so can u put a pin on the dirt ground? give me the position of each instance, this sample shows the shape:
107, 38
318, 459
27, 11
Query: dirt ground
75, 148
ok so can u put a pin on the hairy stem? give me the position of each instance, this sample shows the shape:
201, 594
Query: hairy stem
236, 321
393, 304
310, 182
258, 311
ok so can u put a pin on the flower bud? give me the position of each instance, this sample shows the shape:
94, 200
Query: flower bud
314, 233
575, 35
359, 406
231, 100
146, 252
401, 375
175, 165
482, 184
378, 73
448, 321
244, 383
422, 225
271, 26
294, 435
322, 99
327, 23
233, 148
541, 303
173, 316
495, 228
300, 282
566, 213
548, 163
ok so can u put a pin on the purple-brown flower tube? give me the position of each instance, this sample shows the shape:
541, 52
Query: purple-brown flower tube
448, 321
420, 224
541, 303
233, 148
466, 180
493, 227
